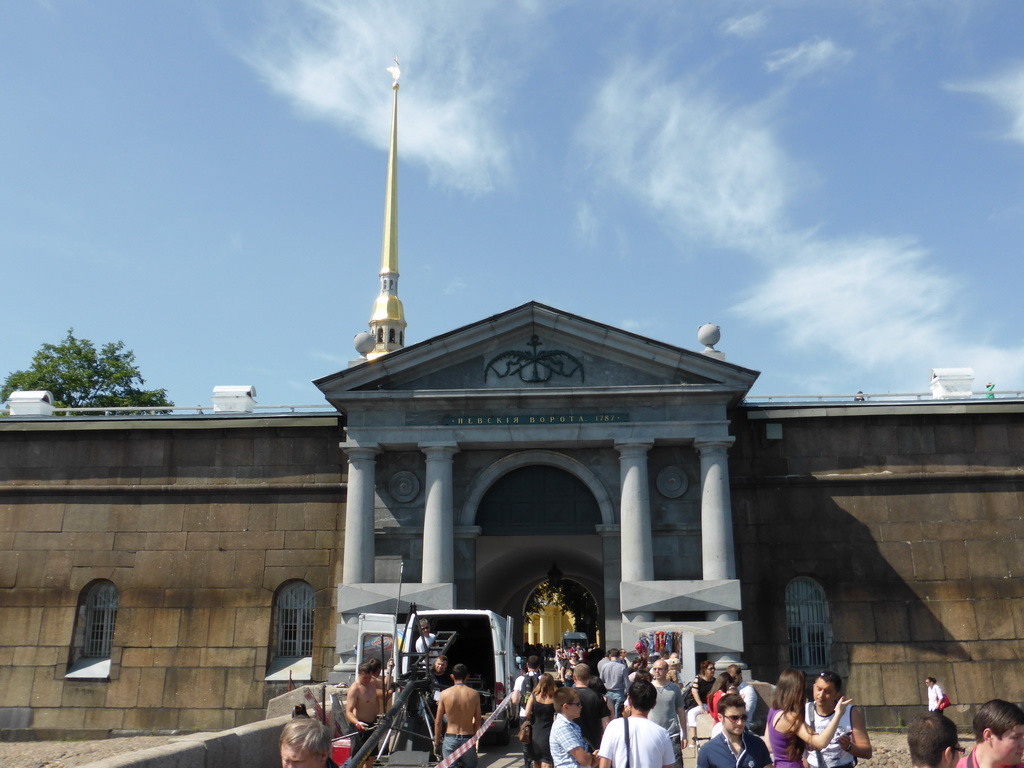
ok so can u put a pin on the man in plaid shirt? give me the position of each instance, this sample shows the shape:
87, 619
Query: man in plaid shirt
568, 747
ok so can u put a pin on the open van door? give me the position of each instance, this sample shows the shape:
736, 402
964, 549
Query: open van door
376, 637
511, 670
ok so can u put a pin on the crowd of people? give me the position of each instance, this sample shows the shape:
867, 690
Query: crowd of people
641, 715
592, 716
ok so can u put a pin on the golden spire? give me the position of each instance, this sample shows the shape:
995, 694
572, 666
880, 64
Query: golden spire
387, 320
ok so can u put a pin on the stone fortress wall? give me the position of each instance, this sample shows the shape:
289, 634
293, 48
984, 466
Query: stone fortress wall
909, 518
912, 520
197, 523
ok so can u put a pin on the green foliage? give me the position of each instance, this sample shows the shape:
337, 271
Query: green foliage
80, 377
570, 597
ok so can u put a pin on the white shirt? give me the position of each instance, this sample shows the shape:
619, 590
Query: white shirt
749, 695
934, 697
649, 744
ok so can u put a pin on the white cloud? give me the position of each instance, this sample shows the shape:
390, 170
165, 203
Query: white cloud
587, 224
808, 57
1007, 90
745, 26
705, 168
634, 326
719, 174
876, 303
328, 58
455, 287
330, 357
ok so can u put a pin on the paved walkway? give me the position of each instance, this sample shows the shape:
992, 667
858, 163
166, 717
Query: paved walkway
492, 756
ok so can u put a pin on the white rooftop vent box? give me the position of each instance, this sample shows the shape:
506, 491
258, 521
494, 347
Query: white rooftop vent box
952, 383
31, 403
234, 399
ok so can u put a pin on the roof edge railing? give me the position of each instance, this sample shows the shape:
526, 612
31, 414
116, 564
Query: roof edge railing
183, 410
864, 398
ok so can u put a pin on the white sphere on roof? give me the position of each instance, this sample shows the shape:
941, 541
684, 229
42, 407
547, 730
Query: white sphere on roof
364, 343
709, 334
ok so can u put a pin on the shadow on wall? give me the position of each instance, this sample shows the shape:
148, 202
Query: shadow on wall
901, 601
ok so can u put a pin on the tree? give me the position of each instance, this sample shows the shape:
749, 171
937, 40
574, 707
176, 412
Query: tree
79, 377
571, 597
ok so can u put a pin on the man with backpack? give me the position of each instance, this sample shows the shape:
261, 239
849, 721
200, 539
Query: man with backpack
521, 691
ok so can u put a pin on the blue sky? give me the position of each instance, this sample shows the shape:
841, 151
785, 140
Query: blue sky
838, 185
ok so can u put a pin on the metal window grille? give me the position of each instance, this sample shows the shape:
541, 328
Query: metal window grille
295, 605
100, 615
808, 624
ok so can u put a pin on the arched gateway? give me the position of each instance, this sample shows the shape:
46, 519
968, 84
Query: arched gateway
461, 446
537, 509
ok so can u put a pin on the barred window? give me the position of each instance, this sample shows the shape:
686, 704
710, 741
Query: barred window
93, 638
295, 603
807, 620
100, 616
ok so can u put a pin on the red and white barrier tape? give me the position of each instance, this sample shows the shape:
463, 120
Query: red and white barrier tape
465, 747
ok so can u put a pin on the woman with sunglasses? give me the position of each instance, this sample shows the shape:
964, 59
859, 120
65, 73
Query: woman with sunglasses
788, 733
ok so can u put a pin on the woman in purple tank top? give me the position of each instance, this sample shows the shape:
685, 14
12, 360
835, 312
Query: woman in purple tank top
788, 734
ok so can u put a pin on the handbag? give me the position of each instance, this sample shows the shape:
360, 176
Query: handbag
943, 702
525, 732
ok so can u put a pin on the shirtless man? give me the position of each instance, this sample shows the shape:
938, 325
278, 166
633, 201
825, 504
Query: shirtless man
383, 683
362, 707
460, 705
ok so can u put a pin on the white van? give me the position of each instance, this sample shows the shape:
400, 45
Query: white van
483, 642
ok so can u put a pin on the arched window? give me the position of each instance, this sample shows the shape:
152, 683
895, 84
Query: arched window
391, 336
292, 652
810, 634
94, 631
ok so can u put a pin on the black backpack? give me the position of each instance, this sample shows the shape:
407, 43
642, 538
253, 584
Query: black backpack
529, 682
688, 701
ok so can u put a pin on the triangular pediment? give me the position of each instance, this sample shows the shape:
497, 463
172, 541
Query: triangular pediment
538, 349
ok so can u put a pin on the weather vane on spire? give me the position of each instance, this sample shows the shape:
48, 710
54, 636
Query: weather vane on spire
395, 72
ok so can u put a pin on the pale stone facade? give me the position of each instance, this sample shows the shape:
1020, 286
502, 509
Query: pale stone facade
534, 386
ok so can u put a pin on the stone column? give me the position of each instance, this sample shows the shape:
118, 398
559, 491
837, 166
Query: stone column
359, 549
635, 512
438, 516
718, 552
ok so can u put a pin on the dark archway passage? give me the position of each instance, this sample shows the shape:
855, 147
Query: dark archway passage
531, 517
538, 499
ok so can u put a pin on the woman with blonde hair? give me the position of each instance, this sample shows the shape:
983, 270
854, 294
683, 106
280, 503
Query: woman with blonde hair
540, 711
788, 733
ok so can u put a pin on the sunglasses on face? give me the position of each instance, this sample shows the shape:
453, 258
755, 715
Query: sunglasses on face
736, 718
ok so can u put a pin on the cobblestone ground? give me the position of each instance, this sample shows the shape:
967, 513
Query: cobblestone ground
890, 751
63, 754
